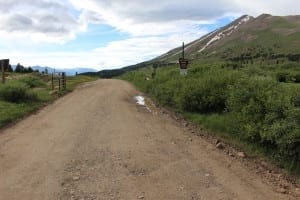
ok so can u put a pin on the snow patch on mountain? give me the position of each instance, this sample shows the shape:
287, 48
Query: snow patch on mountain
202, 39
193, 44
227, 32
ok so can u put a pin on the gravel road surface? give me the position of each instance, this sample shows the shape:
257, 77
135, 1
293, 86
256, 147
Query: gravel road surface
97, 143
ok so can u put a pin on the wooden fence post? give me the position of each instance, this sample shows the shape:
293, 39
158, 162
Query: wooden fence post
59, 83
2, 70
52, 81
63, 77
4, 64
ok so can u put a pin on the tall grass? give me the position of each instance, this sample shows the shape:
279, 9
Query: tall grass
33, 81
16, 92
28, 93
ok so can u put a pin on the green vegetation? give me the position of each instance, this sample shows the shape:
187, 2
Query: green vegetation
9, 112
16, 92
23, 94
249, 106
32, 81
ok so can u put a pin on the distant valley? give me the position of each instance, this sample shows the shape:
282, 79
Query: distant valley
70, 72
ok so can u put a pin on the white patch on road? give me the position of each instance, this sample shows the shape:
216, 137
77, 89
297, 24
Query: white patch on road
140, 100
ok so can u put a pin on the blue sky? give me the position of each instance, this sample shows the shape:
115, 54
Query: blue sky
106, 34
94, 37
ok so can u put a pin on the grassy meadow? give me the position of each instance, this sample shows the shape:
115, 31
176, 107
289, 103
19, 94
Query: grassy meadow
24, 93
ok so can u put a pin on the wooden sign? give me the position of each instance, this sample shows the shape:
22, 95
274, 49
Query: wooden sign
183, 63
4, 65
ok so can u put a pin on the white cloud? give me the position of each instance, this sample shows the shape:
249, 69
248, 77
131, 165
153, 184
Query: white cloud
134, 50
38, 20
154, 17
114, 55
274, 7
154, 26
58, 21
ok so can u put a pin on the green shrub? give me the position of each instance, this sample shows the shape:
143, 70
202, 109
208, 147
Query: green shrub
32, 82
267, 114
297, 78
281, 127
165, 93
208, 93
285, 77
246, 100
16, 92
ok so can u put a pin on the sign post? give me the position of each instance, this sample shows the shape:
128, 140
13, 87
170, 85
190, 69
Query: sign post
4, 65
183, 63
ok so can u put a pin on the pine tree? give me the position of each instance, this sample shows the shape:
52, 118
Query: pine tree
19, 68
30, 70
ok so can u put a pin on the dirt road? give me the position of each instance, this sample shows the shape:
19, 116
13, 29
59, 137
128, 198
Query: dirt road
96, 143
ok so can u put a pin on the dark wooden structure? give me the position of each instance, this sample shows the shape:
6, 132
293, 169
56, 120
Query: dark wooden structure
4, 65
61, 79
183, 63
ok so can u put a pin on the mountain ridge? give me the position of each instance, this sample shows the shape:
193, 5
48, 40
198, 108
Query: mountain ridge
244, 30
208, 39
253, 39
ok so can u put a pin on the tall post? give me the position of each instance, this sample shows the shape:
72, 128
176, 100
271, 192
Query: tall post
59, 83
2, 70
63, 76
52, 81
183, 50
183, 63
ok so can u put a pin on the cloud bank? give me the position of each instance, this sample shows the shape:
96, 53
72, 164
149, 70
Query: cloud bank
153, 26
47, 21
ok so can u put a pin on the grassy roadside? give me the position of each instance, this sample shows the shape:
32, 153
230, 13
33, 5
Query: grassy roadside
219, 126
250, 107
24, 94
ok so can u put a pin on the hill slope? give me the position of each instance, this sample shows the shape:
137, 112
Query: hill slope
246, 40
264, 36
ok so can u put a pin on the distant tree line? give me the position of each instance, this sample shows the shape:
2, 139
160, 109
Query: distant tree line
118, 72
246, 58
19, 69
258, 54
